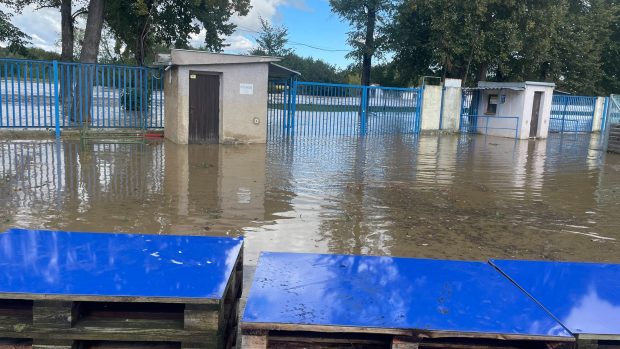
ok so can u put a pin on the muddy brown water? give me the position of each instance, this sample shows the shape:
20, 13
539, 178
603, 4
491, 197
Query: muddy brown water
454, 197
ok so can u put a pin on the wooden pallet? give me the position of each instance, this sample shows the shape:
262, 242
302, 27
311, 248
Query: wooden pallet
320, 337
63, 322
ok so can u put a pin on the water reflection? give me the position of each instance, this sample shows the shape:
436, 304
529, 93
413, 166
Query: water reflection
443, 197
117, 265
583, 296
392, 293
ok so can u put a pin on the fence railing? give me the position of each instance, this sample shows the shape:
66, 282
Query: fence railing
324, 109
507, 126
613, 110
572, 113
49, 94
469, 111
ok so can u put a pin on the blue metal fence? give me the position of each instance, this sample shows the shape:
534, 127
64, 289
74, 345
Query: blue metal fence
469, 111
324, 109
612, 115
572, 113
37, 94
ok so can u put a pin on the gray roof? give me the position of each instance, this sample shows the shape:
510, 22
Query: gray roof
278, 71
194, 57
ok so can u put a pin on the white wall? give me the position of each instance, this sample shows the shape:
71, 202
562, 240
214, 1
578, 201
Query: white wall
545, 111
451, 114
518, 104
497, 123
431, 107
598, 114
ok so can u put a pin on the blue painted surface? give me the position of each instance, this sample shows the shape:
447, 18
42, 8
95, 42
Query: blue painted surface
585, 297
393, 293
309, 109
115, 265
46, 94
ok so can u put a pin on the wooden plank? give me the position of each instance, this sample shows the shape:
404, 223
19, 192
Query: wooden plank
44, 343
399, 342
54, 314
255, 341
80, 298
201, 317
587, 344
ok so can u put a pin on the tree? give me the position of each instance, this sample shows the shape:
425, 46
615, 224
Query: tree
16, 39
271, 40
142, 25
505, 40
369, 19
312, 69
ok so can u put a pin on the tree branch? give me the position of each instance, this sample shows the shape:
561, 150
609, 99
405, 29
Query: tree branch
81, 11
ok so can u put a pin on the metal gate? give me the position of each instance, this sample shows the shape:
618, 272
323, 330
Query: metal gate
469, 110
308, 109
52, 94
572, 114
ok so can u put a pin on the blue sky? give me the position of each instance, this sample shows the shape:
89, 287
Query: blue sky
308, 21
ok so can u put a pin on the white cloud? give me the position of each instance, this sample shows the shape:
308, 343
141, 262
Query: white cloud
43, 25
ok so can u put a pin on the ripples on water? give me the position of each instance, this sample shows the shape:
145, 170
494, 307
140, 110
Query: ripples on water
421, 196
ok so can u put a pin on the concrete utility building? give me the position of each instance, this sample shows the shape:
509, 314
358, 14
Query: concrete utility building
216, 98
514, 109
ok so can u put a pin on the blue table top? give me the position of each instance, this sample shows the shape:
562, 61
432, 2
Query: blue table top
116, 265
584, 297
392, 293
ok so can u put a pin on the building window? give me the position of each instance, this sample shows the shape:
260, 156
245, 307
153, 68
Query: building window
492, 104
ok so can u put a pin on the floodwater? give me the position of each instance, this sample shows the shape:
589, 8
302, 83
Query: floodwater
456, 197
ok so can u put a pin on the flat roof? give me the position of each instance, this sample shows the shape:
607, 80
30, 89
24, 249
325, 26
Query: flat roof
517, 86
195, 57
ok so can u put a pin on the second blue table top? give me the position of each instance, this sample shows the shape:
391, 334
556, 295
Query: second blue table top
58, 263
584, 297
393, 293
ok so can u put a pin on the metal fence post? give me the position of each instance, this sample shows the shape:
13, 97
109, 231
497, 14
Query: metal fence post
291, 130
564, 114
363, 114
56, 99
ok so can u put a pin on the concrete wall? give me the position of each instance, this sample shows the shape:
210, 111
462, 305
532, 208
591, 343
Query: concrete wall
431, 107
545, 111
518, 104
237, 111
173, 128
497, 124
451, 113
598, 114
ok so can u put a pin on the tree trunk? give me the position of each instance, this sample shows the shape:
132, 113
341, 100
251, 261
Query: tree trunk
90, 50
66, 55
369, 43
482, 72
66, 36
92, 34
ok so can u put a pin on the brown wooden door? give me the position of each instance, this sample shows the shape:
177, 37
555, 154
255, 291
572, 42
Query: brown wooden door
535, 114
204, 108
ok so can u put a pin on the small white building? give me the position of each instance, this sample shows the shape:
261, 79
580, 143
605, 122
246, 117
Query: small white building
216, 98
514, 109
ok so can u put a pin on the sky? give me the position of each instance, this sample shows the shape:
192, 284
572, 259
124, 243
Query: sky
309, 22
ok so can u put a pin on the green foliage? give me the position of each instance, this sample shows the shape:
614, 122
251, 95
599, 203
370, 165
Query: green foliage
312, 69
133, 98
16, 39
142, 25
271, 40
564, 41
